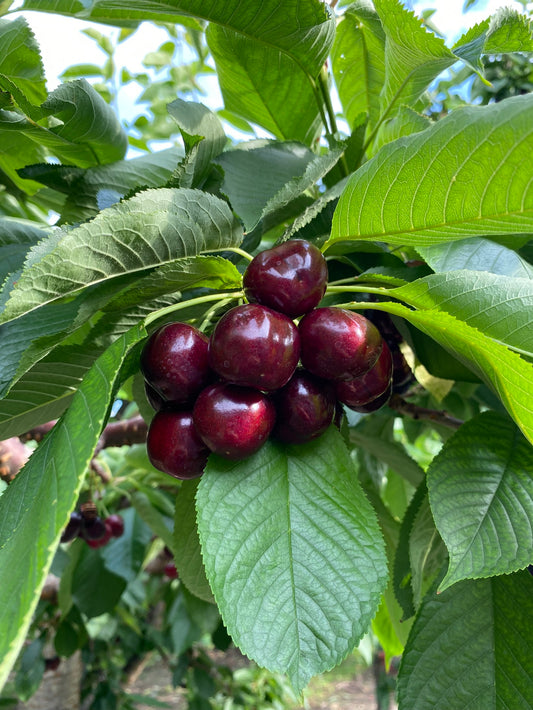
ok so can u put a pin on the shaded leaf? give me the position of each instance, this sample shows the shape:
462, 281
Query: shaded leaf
186, 543
476, 254
36, 507
481, 495
505, 372
470, 648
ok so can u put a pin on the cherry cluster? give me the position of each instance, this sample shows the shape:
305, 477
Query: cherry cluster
259, 374
88, 525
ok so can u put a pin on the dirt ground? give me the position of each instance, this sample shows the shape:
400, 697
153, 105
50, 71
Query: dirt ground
328, 692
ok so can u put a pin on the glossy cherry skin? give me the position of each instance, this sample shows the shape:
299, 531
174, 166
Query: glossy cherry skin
337, 344
233, 421
94, 529
116, 525
174, 446
376, 403
290, 278
304, 408
73, 527
175, 362
363, 389
255, 346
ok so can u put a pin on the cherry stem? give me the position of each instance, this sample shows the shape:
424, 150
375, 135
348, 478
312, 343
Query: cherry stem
192, 302
400, 405
236, 250
380, 290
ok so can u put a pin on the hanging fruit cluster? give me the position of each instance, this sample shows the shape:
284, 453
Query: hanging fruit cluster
89, 526
259, 374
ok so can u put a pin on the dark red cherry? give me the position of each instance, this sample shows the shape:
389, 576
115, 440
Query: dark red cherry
170, 570
375, 404
304, 408
364, 389
175, 363
73, 527
290, 278
94, 529
174, 446
116, 524
233, 421
255, 346
337, 344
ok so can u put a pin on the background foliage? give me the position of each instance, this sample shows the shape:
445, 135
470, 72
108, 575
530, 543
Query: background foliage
423, 206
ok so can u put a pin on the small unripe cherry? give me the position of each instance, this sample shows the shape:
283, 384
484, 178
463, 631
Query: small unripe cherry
116, 524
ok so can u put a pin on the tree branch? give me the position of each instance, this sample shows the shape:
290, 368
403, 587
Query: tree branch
431, 415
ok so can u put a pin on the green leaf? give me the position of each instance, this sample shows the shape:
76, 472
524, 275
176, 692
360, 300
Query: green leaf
358, 62
427, 552
150, 229
186, 543
21, 66
284, 102
413, 56
505, 372
293, 552
16, 238
84, 129
403, 574
506, 31
196, 121
501, 307
86, 122
193, 272
16, 151
481, 495
95, 589
86, 187
477, 254
156, 522
259, 181
470, 648
36, 506
124, 555
413, 191
389, 452
304, 31
404, 123
45, 390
